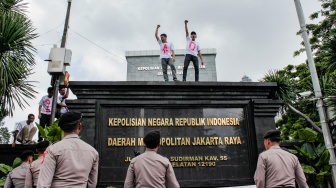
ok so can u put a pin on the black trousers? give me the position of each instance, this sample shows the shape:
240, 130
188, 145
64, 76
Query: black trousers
44, 121
187, 60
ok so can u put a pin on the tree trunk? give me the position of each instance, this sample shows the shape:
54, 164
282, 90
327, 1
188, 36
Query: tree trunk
318, 129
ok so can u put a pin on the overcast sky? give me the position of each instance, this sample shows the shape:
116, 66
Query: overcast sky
251, 36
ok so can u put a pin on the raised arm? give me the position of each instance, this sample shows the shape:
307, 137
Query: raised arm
156, 32
67, 92
186, 27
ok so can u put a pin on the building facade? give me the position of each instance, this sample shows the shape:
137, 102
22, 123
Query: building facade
146, 66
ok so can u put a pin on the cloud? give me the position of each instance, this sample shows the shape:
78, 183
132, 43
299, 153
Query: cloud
251, 37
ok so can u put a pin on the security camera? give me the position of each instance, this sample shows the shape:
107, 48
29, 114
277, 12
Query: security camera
304, 94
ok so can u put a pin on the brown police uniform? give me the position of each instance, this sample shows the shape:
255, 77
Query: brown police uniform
278, 168
69, 163
17, 176
33, 173
150, 170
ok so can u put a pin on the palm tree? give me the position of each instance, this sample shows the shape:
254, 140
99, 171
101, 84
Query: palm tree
286, 92
16, 56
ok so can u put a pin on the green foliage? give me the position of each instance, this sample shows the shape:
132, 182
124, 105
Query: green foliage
307, 169
284, 90
307, 135
295, 128
315, 160
16, 56
6, 169
17, 6
4, 134
52, 133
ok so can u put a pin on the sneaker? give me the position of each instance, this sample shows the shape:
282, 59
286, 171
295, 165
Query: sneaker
32, 142
24, 142
176, 80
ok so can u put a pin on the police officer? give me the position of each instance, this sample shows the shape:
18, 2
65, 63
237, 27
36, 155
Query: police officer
151, 169
70, 162
34, 169
277, 167
17, 176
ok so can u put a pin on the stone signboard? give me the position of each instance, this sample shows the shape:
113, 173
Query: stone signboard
210, 138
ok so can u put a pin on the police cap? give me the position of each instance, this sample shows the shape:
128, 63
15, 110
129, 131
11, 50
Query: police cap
272, 134
42, 145
69, 119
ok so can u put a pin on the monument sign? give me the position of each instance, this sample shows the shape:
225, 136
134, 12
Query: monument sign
208, 130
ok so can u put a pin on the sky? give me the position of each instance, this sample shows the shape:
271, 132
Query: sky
251, 36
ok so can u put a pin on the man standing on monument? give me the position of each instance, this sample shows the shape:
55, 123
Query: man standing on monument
167, 54
70, 162
61, 99
277, 167
44, 111
192, 50
151, 169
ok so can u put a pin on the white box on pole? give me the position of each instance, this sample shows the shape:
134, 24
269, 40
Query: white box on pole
58, 59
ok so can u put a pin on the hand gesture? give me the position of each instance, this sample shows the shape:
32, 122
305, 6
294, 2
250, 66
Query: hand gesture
202, 62
39, 116
158, 26
185, 21
13, 145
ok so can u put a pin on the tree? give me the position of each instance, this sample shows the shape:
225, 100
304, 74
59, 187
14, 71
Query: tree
16, 56
286, 91
4, 134
299, 113
323, 40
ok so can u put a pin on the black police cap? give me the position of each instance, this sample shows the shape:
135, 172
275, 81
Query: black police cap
42, 145
70, 117
272, 134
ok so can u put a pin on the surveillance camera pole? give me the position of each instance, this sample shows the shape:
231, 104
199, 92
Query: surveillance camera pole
317, 90
57, 76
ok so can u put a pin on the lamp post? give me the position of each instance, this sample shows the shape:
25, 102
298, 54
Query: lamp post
317, 91
57, 76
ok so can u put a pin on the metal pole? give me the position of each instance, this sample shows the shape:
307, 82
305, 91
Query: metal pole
57, 77
317, 91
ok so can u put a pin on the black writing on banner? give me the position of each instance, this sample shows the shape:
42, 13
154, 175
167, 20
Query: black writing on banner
115, 122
